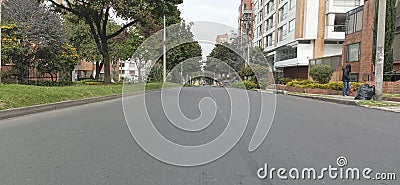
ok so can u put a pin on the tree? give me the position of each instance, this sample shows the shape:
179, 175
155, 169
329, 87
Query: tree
225, 54
321, 73
97, 14
38, 32
390, 29
13, 52
180, 46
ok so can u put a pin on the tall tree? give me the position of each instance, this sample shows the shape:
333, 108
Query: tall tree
390, 29
38, 29
225, 53
137, 12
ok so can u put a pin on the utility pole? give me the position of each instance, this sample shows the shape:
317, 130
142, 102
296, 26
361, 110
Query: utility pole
380, 50
165, 53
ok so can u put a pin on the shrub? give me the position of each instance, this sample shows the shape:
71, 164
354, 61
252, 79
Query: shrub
238, 85
284, 81
250, 85
356, 85
321, 73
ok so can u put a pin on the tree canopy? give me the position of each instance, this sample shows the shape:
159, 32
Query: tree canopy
146, 14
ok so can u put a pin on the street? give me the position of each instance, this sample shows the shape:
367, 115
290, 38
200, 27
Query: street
91, 144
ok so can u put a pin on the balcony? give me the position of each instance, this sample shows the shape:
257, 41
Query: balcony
342, 6
335, 32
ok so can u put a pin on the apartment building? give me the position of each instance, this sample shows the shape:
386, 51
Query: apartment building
224, 38
295, 32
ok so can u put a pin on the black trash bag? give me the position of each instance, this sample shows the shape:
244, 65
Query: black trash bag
365, 92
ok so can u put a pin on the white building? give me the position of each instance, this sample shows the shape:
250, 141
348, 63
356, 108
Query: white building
129, 70
294, 32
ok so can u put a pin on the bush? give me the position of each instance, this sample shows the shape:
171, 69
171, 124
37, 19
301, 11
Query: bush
284, 81
238, 85
321, 73
250, 85
356, 85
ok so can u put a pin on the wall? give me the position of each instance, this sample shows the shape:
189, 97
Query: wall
297, 72
332, 49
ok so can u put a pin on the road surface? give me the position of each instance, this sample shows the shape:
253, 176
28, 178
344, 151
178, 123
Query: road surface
91, 144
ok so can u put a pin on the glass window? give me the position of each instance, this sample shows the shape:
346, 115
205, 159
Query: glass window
340, 22
292, 25
353, 52
359, 21
282, 32
292, 4
346, 2
286, 52
353, 77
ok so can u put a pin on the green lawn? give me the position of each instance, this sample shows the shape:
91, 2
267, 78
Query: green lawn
377, 103
391, 95
14, 95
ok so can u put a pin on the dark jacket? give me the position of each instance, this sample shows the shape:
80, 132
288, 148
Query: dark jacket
346, 75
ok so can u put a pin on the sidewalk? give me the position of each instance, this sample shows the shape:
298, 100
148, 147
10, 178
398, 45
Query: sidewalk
347, 100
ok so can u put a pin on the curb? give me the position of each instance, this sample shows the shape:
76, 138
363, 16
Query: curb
16, 112
338, 101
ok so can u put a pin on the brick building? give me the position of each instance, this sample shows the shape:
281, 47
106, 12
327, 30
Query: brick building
359, 42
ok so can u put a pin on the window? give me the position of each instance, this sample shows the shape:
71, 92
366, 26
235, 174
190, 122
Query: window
354, 20
270, 39
283, 12
359, 21
282, 32
353, 52
346, 2
270, 6
353, 77
292, 4
286, 52
339, 22
292, 25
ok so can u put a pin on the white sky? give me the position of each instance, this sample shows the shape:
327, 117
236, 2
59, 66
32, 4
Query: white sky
224, 14
221, 11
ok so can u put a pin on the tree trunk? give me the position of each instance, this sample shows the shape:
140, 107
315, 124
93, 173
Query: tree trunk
99, 66
106, 61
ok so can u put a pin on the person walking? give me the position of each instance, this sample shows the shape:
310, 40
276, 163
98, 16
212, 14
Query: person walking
346, 79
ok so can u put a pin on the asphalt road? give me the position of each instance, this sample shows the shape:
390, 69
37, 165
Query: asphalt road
91, 144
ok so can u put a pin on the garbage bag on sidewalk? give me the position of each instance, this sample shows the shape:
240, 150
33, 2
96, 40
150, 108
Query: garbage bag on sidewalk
365, 92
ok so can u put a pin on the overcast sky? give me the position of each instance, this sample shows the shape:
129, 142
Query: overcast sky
224, 12
221, 11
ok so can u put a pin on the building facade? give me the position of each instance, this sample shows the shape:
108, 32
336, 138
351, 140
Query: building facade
294, 32
359, 42
224, 38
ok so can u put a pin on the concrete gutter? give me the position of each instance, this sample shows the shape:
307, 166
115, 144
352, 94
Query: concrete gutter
11, 113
